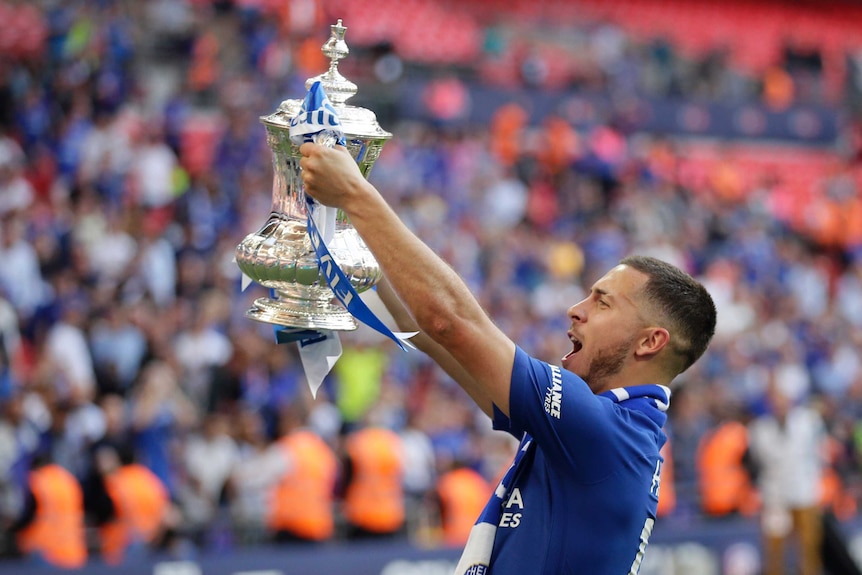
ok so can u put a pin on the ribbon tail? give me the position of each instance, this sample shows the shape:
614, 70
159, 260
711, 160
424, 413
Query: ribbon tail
318, 355
404, 337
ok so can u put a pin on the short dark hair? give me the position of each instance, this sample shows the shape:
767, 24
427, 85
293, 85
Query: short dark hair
680, 300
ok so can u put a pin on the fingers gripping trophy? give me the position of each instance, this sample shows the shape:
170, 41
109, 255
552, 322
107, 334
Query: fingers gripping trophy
284, 254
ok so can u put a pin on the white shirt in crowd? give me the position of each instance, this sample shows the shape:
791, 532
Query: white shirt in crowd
790, 457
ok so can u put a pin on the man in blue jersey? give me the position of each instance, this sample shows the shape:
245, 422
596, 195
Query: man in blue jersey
581, 495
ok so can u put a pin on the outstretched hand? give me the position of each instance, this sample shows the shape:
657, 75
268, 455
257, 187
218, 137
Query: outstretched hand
330, 175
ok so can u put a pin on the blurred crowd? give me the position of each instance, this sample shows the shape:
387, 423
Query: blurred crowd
123, 337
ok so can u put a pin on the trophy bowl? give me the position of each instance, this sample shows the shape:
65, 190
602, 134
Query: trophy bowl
280, 255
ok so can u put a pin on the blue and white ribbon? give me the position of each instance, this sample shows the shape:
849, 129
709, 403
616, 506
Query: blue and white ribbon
340, 285
316, 120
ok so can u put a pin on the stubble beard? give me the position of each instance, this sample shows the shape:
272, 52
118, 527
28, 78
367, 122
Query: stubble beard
606, 364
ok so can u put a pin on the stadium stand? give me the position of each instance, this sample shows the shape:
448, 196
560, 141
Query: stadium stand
536, 142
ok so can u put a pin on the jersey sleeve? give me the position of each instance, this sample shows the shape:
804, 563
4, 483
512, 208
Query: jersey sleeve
562, 414
501, 422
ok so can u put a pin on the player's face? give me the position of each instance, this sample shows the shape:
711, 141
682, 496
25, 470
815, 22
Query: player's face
604, 328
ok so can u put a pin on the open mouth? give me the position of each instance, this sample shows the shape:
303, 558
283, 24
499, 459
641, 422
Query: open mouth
576, 347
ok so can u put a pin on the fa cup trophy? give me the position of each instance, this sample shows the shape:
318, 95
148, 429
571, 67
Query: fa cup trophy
280, 255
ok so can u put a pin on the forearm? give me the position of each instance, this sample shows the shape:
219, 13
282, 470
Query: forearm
443, 308
432, 292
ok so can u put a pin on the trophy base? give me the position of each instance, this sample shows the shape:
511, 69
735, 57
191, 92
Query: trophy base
295, 314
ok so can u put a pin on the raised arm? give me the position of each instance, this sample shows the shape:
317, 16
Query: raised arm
430, 347
435, 296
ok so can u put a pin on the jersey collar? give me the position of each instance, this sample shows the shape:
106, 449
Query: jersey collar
652, 400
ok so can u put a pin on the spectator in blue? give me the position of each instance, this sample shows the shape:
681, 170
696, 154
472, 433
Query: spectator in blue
161, 413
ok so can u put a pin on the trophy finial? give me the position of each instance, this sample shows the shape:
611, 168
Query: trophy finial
336, 48
338, 88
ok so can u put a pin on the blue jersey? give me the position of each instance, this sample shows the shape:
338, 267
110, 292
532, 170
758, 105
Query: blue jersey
584, 498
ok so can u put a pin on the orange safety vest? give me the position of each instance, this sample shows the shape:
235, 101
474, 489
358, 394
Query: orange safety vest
833, 494
667, 491
852, 223
141, 502
725, 486
374, 500
57, 530
301, 503
463, 494
835, 497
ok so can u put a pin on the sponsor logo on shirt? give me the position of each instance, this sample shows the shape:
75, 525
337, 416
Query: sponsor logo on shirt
511, 517
554, 396
656, 480
477, 569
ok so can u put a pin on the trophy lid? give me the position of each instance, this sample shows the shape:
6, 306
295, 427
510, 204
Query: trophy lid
355, 121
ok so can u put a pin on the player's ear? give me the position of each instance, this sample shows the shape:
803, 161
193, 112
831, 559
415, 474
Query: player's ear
652, 340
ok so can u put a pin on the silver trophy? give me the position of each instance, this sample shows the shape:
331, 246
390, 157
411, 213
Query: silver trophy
280, 255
